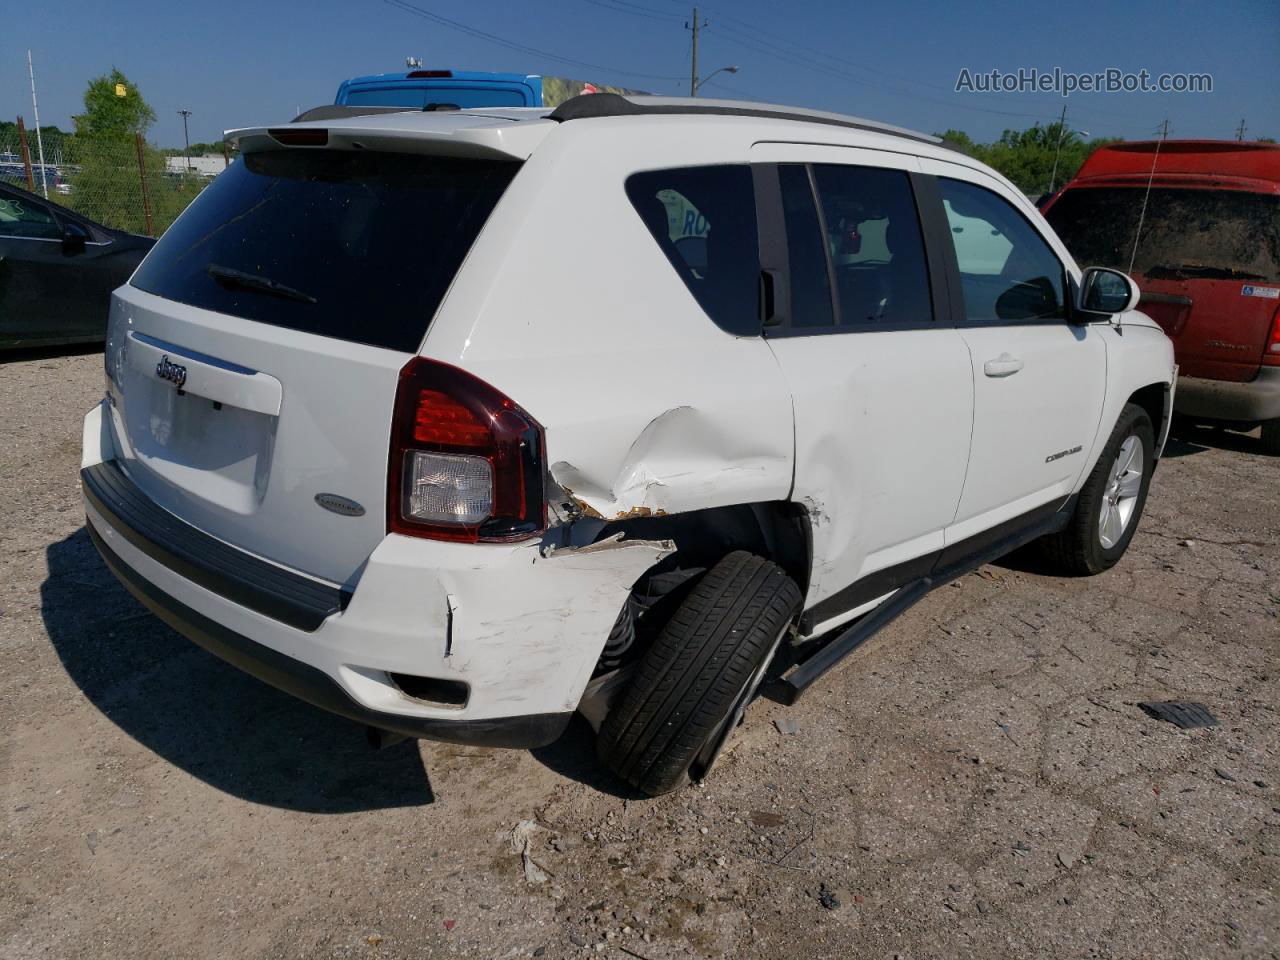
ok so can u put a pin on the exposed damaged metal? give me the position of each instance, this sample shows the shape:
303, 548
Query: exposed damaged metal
679, 452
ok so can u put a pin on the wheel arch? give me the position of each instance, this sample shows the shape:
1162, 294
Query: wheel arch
1157, 400
777, 530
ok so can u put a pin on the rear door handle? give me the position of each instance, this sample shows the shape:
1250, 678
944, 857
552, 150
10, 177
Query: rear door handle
1002, 366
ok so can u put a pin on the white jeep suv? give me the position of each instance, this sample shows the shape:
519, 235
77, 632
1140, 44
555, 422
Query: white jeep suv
458, 422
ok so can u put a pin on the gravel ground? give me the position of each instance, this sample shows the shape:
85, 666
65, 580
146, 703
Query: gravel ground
977, 782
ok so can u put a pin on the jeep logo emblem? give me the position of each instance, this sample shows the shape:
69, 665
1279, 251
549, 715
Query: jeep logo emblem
174, 372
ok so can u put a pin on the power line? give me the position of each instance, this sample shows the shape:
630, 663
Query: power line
622, 6
511, 44
776, 45
618, 7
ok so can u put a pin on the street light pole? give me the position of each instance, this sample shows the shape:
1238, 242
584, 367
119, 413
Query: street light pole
698, 84
186, 150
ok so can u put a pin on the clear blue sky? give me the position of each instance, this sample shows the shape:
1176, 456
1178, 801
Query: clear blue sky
239, 62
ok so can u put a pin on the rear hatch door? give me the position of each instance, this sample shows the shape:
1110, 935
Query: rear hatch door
254, 357
1207, 261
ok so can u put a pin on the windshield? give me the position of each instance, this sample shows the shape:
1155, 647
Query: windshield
358, 246
1185, 233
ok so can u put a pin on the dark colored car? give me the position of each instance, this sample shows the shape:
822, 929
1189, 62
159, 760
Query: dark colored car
57, 271
1207, 261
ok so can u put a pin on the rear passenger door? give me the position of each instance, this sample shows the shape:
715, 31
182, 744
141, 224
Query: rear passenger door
1039, 379
880, 380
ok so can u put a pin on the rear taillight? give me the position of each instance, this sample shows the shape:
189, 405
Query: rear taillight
466, 461
1272, 354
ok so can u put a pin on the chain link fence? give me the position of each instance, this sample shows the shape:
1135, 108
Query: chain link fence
124, 183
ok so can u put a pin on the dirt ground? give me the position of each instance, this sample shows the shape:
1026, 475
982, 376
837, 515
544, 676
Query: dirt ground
977, 782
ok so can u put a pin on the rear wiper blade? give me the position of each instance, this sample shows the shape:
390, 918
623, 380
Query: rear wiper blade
251, 281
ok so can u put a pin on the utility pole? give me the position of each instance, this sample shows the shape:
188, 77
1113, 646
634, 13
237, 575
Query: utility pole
186, 150
695, 25
1164, 129
1241, 129
1062, 129
44, 174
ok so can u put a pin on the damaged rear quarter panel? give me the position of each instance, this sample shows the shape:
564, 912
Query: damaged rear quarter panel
569, 306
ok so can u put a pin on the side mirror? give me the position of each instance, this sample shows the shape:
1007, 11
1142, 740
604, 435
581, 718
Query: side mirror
74, 238
1105, 292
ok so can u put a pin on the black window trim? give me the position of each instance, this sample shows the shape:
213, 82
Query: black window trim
959, 317
774, 254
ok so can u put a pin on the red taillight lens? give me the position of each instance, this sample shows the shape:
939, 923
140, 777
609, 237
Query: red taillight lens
1271, 355
441, 420
466, 461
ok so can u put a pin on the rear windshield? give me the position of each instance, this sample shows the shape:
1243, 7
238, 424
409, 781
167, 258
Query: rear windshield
1186, 233
421, 95
357, 246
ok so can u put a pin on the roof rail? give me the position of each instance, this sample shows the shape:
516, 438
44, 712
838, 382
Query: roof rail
590, 105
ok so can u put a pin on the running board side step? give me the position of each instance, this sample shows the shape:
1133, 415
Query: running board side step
788, 688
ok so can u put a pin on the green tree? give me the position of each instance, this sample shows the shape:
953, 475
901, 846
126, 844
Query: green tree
108, 178
1027, 157
107, 114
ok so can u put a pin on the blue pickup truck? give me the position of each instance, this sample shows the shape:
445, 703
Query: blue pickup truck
462, 88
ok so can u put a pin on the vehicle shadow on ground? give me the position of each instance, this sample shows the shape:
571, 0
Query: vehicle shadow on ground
48, 353
573, 756
226, 728
1186, 439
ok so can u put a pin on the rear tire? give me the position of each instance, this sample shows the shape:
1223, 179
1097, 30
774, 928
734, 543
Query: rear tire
1110, 502
695, 678
1271, 438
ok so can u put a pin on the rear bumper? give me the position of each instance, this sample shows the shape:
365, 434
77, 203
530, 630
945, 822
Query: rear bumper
520, 625
315, 686
1251, 402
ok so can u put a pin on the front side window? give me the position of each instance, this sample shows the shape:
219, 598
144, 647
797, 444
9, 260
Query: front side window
704, 220
20, 217
1007, 271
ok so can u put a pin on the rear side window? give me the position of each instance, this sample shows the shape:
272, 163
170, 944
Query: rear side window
1007, 270
356, 246
876, 249
806, 259
704, 219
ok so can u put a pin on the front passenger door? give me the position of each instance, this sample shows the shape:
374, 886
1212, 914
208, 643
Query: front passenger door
1039, 380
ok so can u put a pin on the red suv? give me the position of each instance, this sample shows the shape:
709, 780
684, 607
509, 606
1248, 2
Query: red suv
1197, 224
